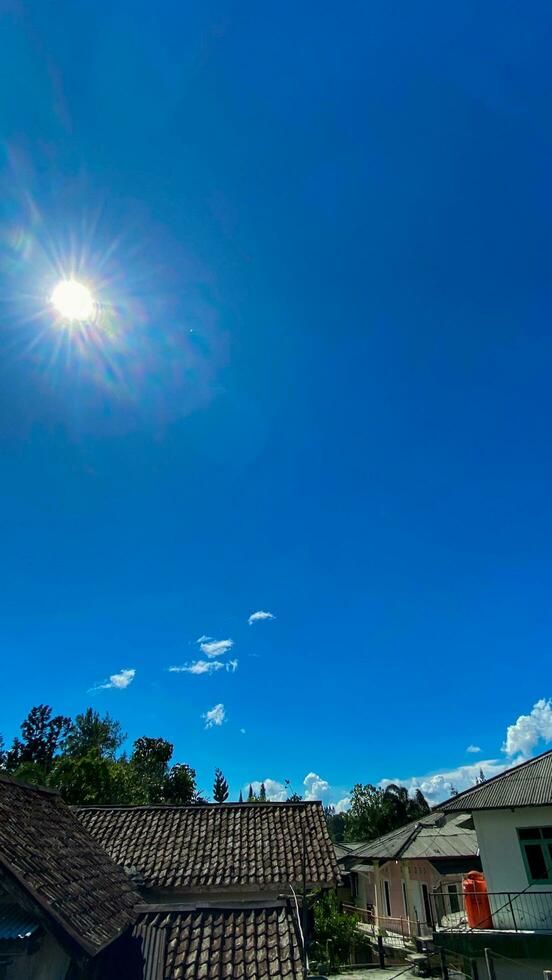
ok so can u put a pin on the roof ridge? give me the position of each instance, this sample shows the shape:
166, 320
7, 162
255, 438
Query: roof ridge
12, 781
493, 779
192, 806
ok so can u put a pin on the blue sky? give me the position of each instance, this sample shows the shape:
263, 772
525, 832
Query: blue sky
320, 385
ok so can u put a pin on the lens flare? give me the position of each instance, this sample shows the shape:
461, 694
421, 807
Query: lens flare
72, 300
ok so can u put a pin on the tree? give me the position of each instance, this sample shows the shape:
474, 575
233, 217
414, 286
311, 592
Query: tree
86, 779
336, 824
334, 932
375, 811
481, 778
220, 788
241, 797
179, 785
251, 796
262, 793
91, 732
42, 735
149, 765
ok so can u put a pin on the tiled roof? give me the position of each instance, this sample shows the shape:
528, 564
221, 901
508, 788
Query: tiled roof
529, 784
45, 851
432, 837
220, 845
221, 944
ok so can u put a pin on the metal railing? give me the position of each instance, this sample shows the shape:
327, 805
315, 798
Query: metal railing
388, 925
528, 911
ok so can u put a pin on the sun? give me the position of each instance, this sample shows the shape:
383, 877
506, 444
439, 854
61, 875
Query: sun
72, 300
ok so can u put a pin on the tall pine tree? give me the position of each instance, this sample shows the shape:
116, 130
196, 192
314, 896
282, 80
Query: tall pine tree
262, 793
220, 788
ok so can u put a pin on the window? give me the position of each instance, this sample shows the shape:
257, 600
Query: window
536, 848
386, 897
454, 899
405, 900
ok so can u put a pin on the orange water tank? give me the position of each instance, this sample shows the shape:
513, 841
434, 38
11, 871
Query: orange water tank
476, 901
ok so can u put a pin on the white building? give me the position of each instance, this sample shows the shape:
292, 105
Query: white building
512, 816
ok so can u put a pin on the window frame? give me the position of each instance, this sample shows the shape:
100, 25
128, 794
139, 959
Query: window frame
386, 889
545, 844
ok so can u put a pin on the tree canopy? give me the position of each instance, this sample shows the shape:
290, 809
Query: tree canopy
79, 758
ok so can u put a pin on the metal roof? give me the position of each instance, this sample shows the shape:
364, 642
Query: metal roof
15, 922
433, 837
529, 784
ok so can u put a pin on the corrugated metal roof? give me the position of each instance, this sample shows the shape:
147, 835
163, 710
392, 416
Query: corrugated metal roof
435, 836
529, 784
15, 922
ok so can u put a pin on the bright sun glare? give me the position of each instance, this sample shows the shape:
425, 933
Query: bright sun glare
72, 300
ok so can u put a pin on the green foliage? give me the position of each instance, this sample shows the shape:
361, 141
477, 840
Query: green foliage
149, 765
179, 785
79, 759
42, 736
85, 780
31, 772
375, 811
262, 793
220, 788
336, 823
89, 732
334, 932
251, 796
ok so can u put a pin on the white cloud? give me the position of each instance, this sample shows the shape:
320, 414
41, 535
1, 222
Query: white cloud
214, 648
242, 731
215, 716
438, 786
315, 787
276, 792
205, 667
257, 617
473, 748
342, 805
203, 639
119, 681
528, 730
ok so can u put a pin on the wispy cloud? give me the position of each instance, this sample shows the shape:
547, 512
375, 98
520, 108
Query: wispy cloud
257, 617
242, 731
214, 648
215, 716
473, 749
205, 667
529, 730
119, 681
